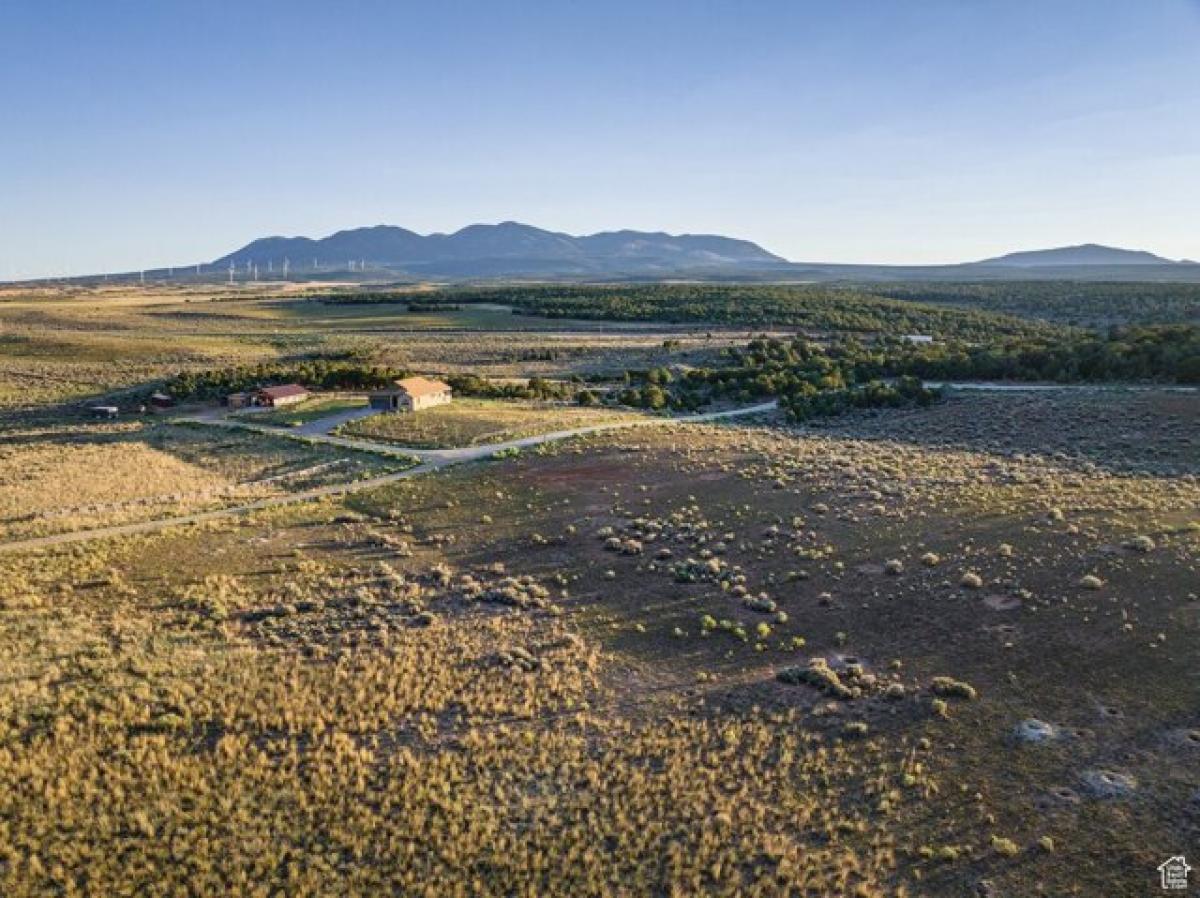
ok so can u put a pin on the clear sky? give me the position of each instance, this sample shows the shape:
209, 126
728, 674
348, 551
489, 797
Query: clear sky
142, 134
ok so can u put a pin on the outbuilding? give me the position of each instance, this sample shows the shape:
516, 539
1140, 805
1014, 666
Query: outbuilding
284, 394
411, 394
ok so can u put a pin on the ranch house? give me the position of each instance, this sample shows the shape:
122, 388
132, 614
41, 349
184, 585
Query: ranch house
411, 394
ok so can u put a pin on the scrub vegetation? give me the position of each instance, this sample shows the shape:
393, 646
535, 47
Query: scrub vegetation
906, 649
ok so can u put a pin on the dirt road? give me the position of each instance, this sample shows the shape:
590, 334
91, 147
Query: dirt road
430, 460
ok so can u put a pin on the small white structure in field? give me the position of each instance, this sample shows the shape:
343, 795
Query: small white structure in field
411, 395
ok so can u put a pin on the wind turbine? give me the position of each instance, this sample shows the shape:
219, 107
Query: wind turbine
231, 273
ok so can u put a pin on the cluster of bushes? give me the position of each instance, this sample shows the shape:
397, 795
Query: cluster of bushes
432, 307
813, 403
535, 388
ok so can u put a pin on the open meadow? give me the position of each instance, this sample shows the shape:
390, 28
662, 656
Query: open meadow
942, 647
473, 422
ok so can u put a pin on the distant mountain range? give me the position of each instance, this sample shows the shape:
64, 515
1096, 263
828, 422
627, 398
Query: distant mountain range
509, 248
514, 250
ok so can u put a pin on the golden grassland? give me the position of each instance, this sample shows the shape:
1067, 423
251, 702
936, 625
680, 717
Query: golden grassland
61, 476
475, 422
676, 660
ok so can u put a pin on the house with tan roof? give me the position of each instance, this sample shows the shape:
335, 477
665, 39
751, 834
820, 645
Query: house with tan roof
411, 394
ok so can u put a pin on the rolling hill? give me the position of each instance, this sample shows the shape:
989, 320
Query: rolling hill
1084, 254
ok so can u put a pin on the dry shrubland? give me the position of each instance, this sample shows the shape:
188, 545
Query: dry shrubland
61, 477
859, 659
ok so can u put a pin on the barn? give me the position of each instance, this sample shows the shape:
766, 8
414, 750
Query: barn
285, 394
411, 394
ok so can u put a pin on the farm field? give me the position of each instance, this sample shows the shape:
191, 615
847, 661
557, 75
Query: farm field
475, 422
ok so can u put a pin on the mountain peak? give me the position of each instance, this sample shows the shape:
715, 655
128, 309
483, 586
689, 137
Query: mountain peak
1083, 254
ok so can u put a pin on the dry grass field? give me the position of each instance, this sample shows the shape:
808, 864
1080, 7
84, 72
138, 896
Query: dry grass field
66, 477
919, 653
475, 422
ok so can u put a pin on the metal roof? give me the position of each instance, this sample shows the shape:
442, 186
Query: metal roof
283, 390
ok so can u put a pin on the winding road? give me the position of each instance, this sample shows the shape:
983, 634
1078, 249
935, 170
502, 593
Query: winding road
430, 460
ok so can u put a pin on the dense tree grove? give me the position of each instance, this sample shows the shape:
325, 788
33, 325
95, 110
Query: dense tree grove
318, 373
1166, 354
811, 378
818, 309
1092, 305
808, 379
772, 367
325, 374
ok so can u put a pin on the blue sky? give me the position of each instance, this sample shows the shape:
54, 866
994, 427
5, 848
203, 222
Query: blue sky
141, 134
